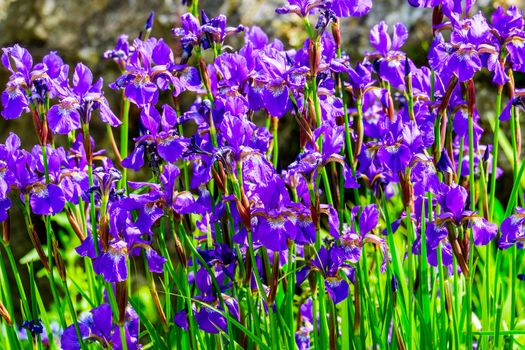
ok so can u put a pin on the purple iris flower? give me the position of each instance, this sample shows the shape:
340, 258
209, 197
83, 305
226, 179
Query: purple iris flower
121, 236
28, 84
99, 327
451, 8
271, 84
341, 8
273, 219
208, 318
512, 229
310, 161
301, 8
509, 28
435, 234
518, 100
390, 62
150, 68
207, 33
347, 8
329, 264
352, 242
47, 199
160, 139
77, 101
302, 335
120, 54
453, 202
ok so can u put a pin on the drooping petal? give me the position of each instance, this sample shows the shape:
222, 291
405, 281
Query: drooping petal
511, 229
47, 199
135, 160
155, 261
483, 231
63, 117
14, 102
368, 219
112, 263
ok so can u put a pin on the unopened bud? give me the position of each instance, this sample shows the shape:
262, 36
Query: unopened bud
59, 262
314, 54
122, 300
6, 229
437, 17
471, 97
336, 32
205, 75
5, 314
275, 279
75, 226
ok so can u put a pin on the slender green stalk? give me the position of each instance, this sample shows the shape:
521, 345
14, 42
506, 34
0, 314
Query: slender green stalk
495, 150
124, 138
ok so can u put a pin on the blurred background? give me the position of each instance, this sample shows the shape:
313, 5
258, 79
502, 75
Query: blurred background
83, 30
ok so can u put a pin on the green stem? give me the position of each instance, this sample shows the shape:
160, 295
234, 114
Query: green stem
124, 138
495, 150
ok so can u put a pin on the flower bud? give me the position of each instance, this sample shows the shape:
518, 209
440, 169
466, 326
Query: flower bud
437, 18
5, 314
6, 229
75, 226
336, 32
122, 300
314, 54
59, 262
205, 75
104, 231
407, 192
243, 207
275, 279
156, 301
471, 97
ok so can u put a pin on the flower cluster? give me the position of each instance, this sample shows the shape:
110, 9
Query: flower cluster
227, 234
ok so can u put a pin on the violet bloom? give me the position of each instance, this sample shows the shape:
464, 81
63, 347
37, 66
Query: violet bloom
120, 54
400, 141
451, 8
99, 327
301, 8
78, 101
205, 34
435, 235
28, 84
302, 335
209, 315
310, 161
390, 61
8, 155
341, 8
336, 286
273, 219
517, 101
271, 85
47, 199
347, 8
512, 229
151, 67
352, 242
471, 41
120, 236
453, 202
159, 139
509, 26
